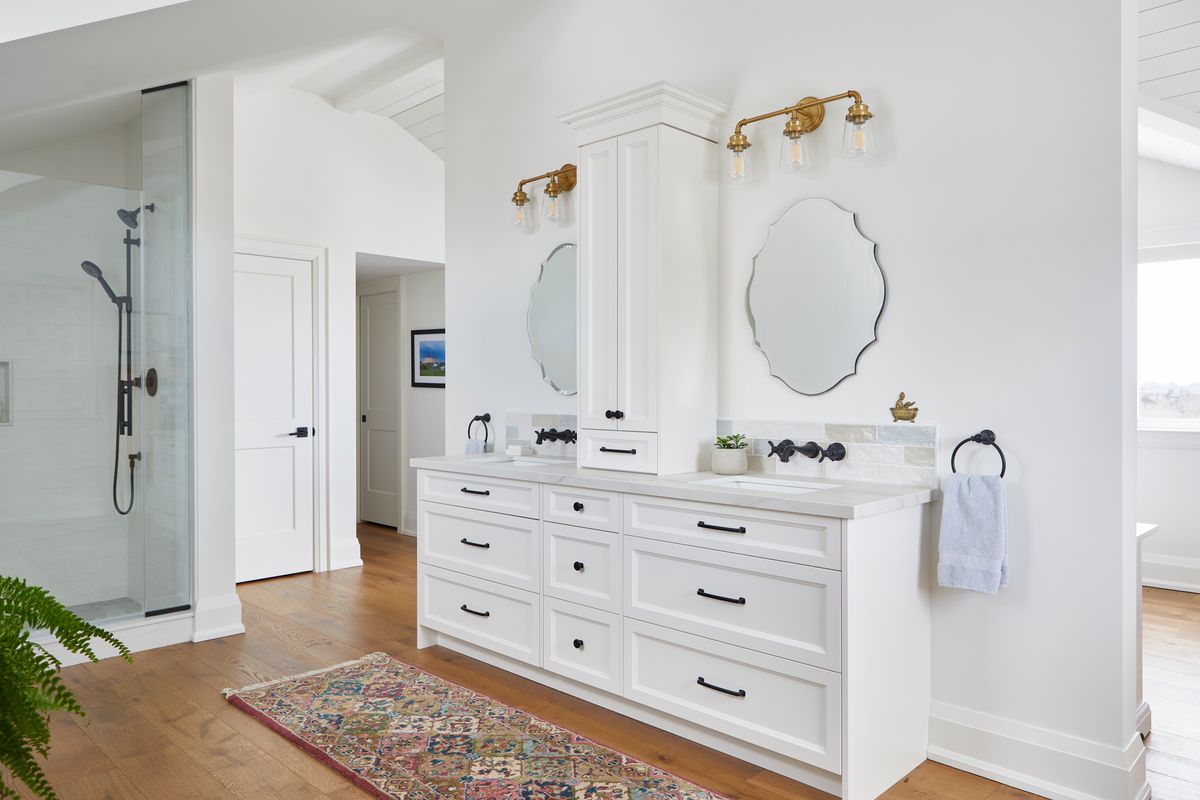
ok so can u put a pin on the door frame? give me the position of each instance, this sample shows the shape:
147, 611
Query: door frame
318, 256
362, 289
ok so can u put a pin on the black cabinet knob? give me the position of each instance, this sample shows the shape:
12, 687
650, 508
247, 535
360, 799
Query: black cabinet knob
578, 506
610, 414
578, 565
619, 414
578, 644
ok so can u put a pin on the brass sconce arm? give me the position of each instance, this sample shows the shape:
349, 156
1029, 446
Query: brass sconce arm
563, 178
806, 103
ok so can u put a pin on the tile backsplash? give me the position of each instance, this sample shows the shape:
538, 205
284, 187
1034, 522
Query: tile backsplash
898, 452
523, 428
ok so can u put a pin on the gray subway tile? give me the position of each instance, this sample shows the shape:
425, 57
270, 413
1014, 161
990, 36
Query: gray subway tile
920, 456
851, 433
907, 433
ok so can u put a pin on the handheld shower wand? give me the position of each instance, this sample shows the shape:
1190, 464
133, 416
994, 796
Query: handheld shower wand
94, 271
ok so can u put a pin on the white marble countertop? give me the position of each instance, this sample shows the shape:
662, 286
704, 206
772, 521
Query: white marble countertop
842, 499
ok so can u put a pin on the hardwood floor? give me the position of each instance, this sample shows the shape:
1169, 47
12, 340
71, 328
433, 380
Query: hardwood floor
1171, 668
159, 729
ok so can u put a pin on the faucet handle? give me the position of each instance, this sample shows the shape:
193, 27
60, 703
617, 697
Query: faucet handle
835, 452
784, 449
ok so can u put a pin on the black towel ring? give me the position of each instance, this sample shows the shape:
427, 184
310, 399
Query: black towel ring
485, 418
985, 437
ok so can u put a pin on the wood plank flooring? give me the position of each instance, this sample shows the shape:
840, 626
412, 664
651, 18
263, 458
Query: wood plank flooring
159, 729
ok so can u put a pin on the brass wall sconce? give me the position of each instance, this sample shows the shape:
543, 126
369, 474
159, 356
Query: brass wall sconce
803, 118
558, 181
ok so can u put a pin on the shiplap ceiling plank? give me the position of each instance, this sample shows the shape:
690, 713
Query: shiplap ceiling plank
1169, 51
1172, 15
433, 107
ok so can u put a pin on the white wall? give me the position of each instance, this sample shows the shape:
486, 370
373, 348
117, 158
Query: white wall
1169, 462
348, 182
1002, 249
109, 157
424, 297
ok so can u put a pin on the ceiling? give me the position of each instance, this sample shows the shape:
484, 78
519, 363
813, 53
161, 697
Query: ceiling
176, 42
395, 73
370, 266
1169, 52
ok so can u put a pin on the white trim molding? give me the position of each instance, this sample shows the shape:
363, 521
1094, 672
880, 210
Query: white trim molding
216, 617
1177, 438
1039, 760
1179, 573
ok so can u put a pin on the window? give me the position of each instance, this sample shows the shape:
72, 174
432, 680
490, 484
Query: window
1169, 344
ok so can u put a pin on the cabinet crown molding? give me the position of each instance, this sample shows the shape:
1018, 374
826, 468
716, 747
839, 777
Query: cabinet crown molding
659, 103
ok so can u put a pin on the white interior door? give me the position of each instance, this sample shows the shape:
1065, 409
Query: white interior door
379, 407
273, 415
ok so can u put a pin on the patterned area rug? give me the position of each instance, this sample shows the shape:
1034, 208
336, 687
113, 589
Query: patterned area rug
403, 734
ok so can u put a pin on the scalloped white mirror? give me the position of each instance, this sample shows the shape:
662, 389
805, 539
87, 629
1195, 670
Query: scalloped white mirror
552, 320
815, 296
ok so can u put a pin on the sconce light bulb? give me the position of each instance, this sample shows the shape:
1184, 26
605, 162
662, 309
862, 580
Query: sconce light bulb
857, 137
739, 166
794, 155
521, 216
553, 208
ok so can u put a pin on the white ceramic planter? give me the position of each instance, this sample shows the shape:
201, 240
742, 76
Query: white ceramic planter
729, 462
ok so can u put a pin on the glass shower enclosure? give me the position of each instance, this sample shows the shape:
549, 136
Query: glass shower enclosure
95, 376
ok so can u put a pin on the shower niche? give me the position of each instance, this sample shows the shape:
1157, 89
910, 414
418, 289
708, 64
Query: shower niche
6, 393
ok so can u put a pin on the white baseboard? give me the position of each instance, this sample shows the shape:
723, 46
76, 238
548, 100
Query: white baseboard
1046, 762
1179, 573
409, 524
218, 616
345, 553
137, 635
1143, 719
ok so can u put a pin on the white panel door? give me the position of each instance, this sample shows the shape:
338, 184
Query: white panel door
379, 406
598, 285
637, 280
273, 410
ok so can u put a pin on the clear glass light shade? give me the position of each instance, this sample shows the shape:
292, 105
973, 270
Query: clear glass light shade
795, 155
554, 208
739, 166
858, 139
521, 216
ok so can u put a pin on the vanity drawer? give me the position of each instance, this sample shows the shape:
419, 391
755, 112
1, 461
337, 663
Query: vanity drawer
582, 643
788, 708
486, 614
582, 566
620, 450
494, 546
521, 498
788, 610
798, 538
587, 508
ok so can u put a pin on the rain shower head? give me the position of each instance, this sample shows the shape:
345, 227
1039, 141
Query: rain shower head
129, 218
91, 269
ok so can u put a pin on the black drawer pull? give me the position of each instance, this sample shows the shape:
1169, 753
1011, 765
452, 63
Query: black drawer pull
484, 492
484, 545
578, 565
741, 601
473, 611
578, 644
721, 689
578, 506
614, 450
706, 526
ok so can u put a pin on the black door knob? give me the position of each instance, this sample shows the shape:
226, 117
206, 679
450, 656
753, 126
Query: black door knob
578, 644
578, 506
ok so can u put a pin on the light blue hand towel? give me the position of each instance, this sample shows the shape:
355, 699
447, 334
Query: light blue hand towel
973, 546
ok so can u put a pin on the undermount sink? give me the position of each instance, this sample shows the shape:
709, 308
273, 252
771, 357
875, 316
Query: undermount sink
531, 461
756, 484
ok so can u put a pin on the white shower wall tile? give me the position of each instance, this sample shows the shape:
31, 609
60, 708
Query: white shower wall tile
902, 453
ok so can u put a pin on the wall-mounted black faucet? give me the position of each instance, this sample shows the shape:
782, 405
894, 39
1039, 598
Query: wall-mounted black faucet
566, 436
787, 448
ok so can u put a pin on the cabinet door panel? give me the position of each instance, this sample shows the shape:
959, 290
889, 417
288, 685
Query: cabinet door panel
637, 306
598, 284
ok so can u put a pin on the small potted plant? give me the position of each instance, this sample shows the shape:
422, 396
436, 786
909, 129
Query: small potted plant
729, 454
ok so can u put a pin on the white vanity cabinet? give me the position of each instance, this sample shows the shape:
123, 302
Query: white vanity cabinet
648, 176
793, 639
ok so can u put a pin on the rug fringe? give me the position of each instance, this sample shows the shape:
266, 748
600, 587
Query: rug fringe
227, 693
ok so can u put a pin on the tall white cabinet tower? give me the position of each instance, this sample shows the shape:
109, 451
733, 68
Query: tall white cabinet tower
649, 167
